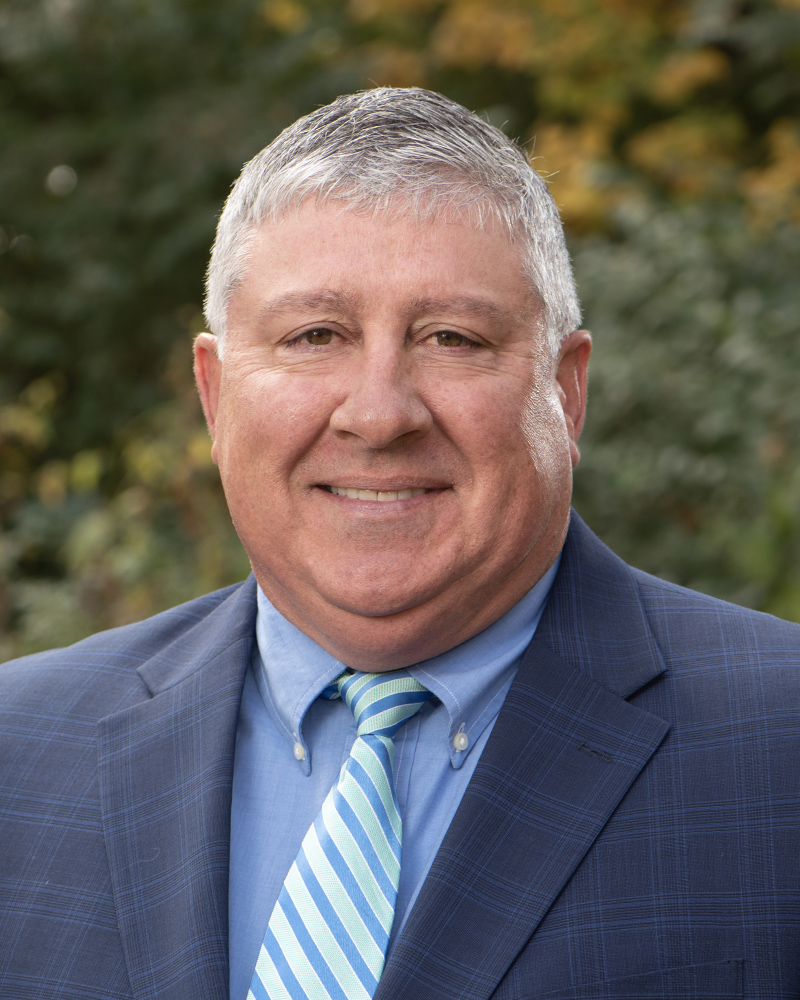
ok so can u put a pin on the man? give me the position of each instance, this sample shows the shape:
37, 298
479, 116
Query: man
592, 772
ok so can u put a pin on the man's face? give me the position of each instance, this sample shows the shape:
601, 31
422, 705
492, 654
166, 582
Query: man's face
393, 435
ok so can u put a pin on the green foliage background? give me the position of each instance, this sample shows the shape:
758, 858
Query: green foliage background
670, 132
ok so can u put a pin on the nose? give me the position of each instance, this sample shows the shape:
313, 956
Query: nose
382, 404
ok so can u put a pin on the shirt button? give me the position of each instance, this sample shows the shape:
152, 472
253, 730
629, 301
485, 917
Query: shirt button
461, 741
299, 751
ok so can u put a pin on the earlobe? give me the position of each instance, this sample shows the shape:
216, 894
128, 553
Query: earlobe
207, 373
572, 377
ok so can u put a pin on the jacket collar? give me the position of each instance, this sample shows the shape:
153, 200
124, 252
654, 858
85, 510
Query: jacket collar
595, 619
166, 768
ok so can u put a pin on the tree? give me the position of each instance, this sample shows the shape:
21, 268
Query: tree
670, 133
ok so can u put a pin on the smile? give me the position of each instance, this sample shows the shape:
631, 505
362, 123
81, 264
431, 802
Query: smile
382, 496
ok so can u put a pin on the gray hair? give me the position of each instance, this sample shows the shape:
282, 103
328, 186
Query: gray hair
397, 149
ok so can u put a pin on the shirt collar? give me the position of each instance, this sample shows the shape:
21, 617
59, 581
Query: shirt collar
471, 680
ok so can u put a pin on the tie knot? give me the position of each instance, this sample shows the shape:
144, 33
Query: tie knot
380, 703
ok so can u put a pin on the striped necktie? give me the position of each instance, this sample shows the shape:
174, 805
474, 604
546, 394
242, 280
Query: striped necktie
328, 934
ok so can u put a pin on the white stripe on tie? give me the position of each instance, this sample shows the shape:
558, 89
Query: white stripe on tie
328, 934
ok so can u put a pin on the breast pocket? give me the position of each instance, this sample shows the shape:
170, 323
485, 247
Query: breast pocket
710, 981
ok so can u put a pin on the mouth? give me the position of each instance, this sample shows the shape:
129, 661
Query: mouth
381, 496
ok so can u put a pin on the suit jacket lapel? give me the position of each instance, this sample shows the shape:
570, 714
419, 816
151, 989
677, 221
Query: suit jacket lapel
166, 768
564, 750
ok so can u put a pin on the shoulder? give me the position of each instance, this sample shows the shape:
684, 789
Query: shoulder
98, 675
707, 642
602, 610
682, 614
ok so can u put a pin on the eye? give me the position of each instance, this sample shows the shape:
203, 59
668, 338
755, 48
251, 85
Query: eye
449, 338
317, 338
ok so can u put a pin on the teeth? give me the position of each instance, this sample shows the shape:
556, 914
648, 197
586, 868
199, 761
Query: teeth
380, 496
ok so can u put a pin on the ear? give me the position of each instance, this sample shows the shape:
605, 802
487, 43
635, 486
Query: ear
571, 375
207, 374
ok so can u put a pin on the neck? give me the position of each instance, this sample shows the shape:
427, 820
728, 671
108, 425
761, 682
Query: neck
376, 644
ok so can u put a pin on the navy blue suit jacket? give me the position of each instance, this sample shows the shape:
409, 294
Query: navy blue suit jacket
632, 829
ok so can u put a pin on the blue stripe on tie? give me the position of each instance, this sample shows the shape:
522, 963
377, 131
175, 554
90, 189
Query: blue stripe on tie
366, 784
350, 681
257, 988
410, 700
378, 748
376, 681
350, 883
331, 918
293, 988
393, 699
381, 682
314, 955
366, 846
390, 699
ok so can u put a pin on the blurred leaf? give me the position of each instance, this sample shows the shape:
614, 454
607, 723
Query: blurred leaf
668, 131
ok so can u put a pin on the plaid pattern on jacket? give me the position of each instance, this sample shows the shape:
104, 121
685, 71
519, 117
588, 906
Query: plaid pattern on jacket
632, 829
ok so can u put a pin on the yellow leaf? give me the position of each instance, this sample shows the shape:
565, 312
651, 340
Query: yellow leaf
285, 15
51, 483
85, 470
690, 154
474, 34
24, 424
199, 450
392, 66
683, 73
567, 157
773, 192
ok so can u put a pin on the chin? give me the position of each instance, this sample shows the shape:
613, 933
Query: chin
371, 605
373, 599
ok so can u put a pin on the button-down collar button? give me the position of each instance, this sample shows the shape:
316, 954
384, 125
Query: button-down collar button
299, 751
461, 741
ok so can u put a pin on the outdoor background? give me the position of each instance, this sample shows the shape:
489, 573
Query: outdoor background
669, 129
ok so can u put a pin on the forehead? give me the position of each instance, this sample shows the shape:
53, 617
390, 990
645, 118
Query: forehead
329, 255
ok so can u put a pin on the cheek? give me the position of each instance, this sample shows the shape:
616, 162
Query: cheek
268, 422
501, 424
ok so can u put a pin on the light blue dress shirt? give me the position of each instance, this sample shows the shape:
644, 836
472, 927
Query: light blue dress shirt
290, 746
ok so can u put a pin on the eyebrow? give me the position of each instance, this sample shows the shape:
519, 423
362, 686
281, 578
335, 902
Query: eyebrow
464, 304
342, 302
337, 301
